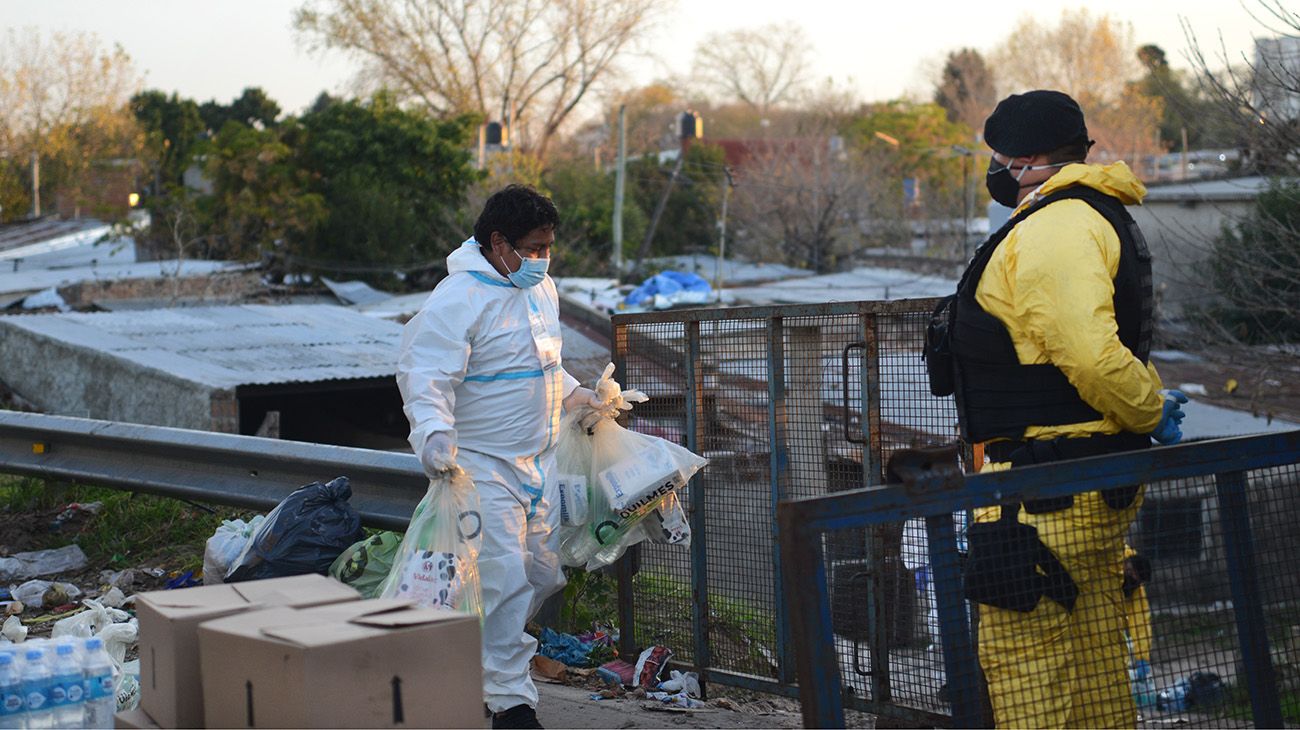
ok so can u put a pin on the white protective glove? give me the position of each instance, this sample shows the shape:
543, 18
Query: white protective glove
439, 454
609, 400
585, 405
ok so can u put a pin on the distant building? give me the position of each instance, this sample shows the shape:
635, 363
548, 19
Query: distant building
1277, 78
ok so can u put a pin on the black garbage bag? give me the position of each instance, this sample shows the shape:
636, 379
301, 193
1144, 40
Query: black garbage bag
305, 533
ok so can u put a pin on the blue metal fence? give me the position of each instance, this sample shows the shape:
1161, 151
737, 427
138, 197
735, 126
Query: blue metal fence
1246, 537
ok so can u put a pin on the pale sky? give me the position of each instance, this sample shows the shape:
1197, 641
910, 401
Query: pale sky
213, 49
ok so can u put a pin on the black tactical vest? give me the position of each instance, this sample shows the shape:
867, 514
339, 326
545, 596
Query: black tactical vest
996, 396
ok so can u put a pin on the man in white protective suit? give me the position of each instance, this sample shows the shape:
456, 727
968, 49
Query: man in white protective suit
483, 387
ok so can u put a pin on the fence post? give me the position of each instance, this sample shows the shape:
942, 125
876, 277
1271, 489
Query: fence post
694, 402
954, 629
625, 568
820, 686
878, 626
1252, 633
778, 472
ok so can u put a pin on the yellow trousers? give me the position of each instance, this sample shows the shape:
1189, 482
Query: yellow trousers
1051, 668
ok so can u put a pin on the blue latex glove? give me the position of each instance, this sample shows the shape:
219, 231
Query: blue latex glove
1167, 431
1141, 669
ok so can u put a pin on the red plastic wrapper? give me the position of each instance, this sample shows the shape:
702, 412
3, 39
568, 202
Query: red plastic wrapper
650, 665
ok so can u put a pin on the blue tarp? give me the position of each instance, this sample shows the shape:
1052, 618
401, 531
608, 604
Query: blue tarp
666, 284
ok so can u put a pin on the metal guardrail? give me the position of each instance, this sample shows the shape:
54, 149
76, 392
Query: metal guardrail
240, 471
1254, 489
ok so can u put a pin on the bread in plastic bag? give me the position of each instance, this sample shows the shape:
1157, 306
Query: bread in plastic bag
437, 563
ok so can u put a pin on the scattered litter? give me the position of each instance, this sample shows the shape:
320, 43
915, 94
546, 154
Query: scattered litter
688, 682
44, 593
1230, 387
726, 704
155, 572
566, 648
303, 534
13, 608
123, 579
617, 671
1175, 356
1194, 389
650, 665
225, 546
128, 686
182, 580
91, 620
366, 564
1197, 690
613, 693
73, 511
679, 700
114, 598
21, 566
549, 670
13, 630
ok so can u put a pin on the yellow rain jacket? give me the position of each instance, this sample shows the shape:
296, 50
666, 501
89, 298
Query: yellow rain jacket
1137, 612
1051, 283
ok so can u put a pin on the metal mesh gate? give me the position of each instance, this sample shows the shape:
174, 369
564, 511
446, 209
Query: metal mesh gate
774, 397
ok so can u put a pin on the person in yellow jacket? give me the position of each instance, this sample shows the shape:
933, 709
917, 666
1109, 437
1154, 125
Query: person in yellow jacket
1050, 334
1137, 612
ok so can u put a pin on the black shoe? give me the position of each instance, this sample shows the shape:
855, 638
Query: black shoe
519, 716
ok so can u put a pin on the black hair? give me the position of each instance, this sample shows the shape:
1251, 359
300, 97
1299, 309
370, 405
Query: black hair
1141, 566
514, 211
1076, 151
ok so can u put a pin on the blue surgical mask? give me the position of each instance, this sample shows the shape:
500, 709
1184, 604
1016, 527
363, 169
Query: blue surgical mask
530, 273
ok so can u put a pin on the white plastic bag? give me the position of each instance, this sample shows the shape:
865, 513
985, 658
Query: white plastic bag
610, 530
20, 566
89, 623
437, 564
225, 546
668, 524
33, 592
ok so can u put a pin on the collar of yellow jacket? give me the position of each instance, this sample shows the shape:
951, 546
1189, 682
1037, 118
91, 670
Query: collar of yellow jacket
1115, 179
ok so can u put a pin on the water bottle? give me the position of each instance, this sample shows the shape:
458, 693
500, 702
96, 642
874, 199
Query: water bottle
101, 701
67, 693
37, 690
11, 693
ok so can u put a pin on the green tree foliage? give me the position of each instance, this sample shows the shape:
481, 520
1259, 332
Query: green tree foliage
173, 134
584, 196
1256, 270
1186, 110
253, 108
689, 221
965, 89
262, 201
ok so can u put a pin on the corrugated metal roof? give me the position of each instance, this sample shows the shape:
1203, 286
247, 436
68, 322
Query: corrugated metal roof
225, 347
12, 282
27, 233
1238, 188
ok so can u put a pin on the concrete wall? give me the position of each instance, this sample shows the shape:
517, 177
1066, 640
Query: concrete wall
67, 380
1181, 236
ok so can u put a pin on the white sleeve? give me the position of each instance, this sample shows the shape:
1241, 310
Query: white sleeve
434, 355
570, 383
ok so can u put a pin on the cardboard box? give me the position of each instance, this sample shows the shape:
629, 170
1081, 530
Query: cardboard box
170, 690
377, 663
136, 719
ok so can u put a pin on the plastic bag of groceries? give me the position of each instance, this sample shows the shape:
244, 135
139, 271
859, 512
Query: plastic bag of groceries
631, 476
437, 564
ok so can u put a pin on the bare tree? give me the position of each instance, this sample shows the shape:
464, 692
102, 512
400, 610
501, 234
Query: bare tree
801, 201
531, 62
63, 101
1094, 59
761, 67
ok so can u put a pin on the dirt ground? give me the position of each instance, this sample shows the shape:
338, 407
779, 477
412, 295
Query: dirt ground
564, 706
1262, 381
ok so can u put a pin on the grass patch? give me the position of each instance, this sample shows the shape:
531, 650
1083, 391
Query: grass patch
742, 636
130, 531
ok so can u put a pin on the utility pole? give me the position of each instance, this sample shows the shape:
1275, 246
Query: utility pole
690, 127
36, 185
620, 181
966, 160
722, 233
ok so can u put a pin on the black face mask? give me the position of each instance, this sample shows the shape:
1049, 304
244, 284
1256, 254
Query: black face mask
1003, 187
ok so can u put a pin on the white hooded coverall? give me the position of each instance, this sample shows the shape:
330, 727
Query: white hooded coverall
481, 361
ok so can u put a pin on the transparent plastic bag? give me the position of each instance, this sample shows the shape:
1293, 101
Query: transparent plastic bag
631, 476
225, 546
437, 563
